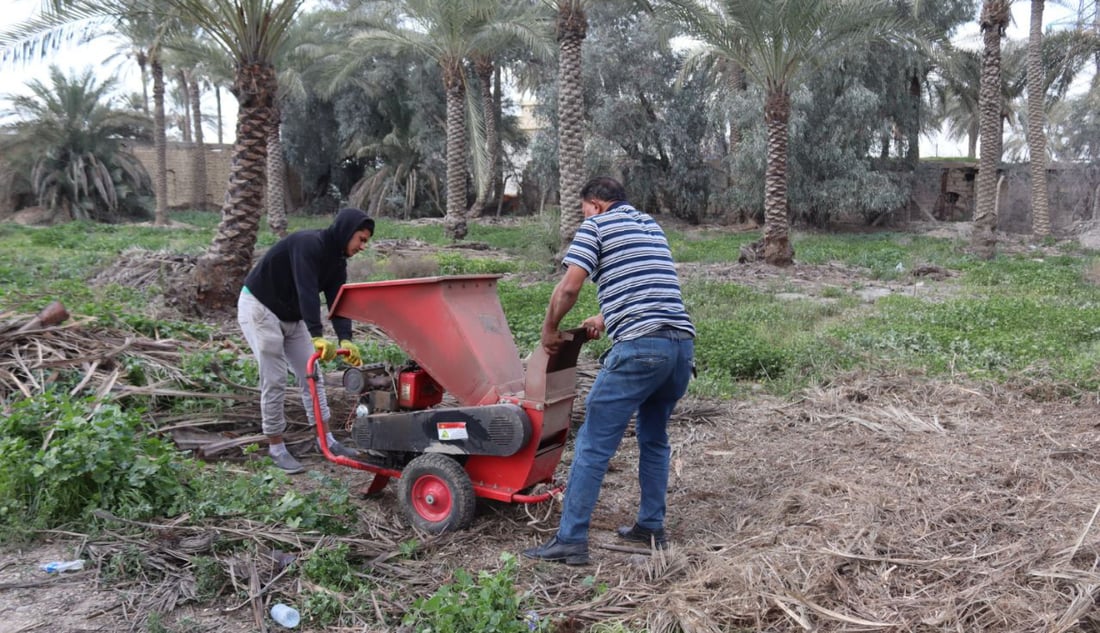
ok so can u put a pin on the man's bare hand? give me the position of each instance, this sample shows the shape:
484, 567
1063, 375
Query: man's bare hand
552, 340
594, 327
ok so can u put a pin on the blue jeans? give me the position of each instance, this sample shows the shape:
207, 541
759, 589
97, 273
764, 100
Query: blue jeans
647, 375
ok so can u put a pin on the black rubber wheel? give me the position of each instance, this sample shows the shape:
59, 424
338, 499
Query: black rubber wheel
436, 494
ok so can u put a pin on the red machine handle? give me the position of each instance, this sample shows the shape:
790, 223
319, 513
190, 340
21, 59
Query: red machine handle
322, 436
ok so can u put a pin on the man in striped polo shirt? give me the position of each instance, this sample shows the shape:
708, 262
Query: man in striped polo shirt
646, 371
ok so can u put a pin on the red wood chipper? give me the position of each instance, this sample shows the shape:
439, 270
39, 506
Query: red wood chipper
504, 437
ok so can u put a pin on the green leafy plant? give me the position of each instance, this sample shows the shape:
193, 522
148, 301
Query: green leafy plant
330, 568
488, 603
215, 491
599, 588
408, 548
458, 264
154, 623
63, 457
127, 564
210, 577
322, 608
525, 308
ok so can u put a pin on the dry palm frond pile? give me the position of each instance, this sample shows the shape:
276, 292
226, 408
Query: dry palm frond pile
886, 504
81, 356
255, 564
141, 268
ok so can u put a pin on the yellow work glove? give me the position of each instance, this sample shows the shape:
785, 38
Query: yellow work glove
327, 349
354, 357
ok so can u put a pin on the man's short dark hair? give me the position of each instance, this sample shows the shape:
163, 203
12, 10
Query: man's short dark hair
603, 188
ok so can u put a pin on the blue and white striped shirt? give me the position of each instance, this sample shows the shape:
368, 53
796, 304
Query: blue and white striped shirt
626, 253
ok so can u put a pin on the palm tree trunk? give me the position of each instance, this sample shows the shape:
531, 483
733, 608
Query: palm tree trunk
198, 156
1036, 117
498, 149
912, 154
777, 241
185, 96
737, 82
143, 63
483, 68
454, 224
221, 270
221, 125
160, 142
994, 18
1096, 31
572, 29
276, 182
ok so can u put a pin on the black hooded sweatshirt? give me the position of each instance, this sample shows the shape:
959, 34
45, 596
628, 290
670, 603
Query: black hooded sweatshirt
292, 274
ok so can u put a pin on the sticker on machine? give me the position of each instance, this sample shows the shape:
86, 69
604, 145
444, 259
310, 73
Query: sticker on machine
451, 430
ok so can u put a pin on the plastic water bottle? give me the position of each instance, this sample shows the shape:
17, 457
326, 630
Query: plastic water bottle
59, 566
285, 616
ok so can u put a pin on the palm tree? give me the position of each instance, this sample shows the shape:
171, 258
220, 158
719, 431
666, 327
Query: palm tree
160, 140
304, 41
958, 77
251, 32
88, 18
182, 97
145, 35
70, 141
1036, 120
207, 66
994, 19
572, 28
198, 150
448, 33
958, 88
398, 130
485, 65
773, 42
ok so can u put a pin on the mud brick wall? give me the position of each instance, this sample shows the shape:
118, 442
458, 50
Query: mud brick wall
946, 191
179, 161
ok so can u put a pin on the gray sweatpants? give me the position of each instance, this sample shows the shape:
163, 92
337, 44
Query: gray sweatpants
278, 345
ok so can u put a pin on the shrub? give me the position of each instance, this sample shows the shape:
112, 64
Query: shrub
213, 492
491, 603
330, 568
61, 458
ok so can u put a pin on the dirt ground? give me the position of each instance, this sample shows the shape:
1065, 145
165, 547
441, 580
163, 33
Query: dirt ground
876, 503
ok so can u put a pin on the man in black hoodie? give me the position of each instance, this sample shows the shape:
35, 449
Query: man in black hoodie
279, 312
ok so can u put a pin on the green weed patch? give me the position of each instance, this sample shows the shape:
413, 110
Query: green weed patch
487, 602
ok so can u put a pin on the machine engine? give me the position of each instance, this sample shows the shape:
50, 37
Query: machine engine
384, 388
396, 417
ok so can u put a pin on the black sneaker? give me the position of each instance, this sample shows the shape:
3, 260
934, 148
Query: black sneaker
638, 534
558, 552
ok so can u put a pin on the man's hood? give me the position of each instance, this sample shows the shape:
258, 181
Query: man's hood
347, 222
